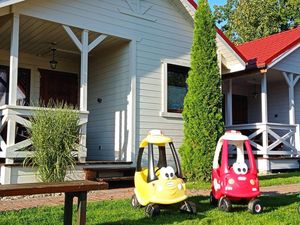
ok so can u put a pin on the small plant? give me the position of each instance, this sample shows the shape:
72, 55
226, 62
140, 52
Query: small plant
54, 133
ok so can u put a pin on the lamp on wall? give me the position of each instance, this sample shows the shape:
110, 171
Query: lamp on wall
53, 62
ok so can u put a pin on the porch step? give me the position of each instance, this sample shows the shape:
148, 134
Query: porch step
115, 177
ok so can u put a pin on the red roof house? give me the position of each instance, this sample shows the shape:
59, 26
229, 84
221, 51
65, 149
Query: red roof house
262, 97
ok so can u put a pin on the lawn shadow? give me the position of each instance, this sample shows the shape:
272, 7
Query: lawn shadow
202, 202
269, 202
165, 217
168, 215
273, 202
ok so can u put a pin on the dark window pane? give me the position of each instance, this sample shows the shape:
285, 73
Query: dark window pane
23, 92
3, 85
177, 87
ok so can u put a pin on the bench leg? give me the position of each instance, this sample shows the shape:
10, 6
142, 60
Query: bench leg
81, 214
68, 210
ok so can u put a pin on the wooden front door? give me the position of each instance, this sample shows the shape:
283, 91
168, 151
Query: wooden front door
239, 109
59, 86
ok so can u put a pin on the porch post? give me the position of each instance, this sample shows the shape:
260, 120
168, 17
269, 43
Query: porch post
291, 101
131, 116
13, 80
83, 90
264, 101
84, 70
84, 47
264, 112
229, 104
291, 81
13, 65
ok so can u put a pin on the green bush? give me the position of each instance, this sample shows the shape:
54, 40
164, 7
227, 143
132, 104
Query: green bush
203, 123
54, 133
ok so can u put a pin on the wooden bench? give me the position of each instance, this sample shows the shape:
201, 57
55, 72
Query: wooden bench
71, 189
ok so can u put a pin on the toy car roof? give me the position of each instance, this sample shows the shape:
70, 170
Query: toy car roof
155, 137
233, 135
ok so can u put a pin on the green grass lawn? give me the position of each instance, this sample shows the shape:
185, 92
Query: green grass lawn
267, 180
278, 210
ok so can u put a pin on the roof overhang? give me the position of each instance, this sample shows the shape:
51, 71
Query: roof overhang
4, 3
282, 56
233, 50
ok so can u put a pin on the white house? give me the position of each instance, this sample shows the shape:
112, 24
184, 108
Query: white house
117, 60
261, 88
124, 63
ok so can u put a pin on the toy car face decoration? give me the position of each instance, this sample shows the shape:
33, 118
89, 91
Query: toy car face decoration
167, 173
240, 168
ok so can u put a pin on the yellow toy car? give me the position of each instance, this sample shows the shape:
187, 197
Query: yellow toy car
159, 184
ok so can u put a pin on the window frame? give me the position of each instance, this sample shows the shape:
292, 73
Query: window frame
164, 70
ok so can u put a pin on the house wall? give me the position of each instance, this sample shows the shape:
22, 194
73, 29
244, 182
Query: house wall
34, 63
107, 137
228, 58
20, 174
290, 63
163, 30
277, 97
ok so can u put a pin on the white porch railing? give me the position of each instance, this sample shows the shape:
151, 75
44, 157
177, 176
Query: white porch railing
19, 115
271, 138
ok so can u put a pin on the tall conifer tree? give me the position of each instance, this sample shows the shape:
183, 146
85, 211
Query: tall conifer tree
203, 123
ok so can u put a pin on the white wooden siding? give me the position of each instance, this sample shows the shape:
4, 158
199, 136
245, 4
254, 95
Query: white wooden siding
290, 63
20, 174
151, 51
229, 59
107, 126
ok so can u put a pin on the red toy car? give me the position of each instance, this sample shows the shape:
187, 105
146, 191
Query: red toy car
236, 183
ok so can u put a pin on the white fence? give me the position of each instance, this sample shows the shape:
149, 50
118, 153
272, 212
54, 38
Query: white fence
13, 115
271, 138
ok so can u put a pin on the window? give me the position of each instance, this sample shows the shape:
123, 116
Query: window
175, 87
23, 92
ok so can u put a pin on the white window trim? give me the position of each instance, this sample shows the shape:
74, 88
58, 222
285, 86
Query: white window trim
164, 71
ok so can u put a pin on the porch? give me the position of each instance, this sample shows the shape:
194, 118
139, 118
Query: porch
28, 48
263, 105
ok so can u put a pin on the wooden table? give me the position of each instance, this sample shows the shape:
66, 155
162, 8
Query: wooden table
71, 189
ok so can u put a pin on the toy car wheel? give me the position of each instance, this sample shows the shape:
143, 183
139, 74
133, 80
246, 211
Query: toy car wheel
225, 204
134, 202
213, 201
188, 207
152, 210
255, 207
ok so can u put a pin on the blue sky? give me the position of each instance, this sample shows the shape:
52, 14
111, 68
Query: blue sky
216, 2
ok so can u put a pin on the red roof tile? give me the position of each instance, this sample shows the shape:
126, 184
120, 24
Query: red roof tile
265, 50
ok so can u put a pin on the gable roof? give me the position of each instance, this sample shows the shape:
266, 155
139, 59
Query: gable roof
266, 50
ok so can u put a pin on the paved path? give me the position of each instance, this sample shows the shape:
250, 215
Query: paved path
30, 202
